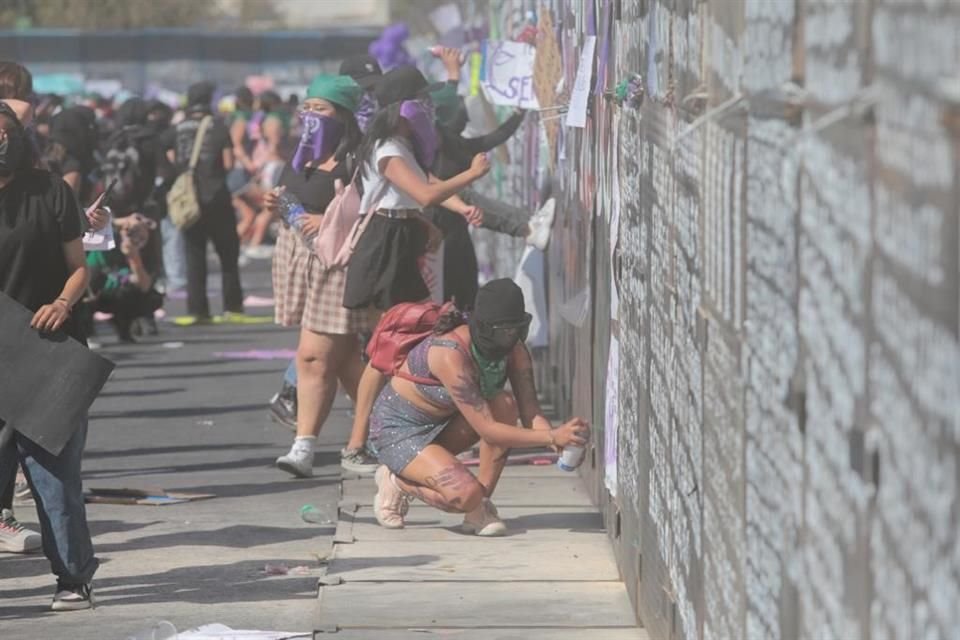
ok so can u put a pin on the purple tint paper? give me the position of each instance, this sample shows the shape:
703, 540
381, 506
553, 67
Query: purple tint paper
606, 19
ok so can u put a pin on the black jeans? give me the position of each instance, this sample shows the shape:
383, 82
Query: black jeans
498, 216
460, 268
218, 225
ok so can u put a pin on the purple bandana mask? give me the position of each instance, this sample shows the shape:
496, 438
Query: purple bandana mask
366, 111
321, 135
422, 118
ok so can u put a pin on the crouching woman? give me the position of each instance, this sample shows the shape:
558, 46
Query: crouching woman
448, 395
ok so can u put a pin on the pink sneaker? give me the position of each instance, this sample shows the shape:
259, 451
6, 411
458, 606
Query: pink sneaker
390, 504
484, 521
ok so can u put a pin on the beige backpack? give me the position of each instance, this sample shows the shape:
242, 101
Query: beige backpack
183, 206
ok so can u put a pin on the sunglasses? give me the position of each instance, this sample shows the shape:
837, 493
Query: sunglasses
508, 333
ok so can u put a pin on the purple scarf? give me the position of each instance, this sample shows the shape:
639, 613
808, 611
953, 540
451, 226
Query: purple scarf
321, 135
422, 118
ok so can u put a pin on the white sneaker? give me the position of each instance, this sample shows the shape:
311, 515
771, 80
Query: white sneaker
484, 521
299, 462
22, 496
14, 538
259, 252
541, 225
390, 504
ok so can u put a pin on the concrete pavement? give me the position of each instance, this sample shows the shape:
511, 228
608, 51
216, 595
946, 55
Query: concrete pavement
182, 415
185, 418
553, 576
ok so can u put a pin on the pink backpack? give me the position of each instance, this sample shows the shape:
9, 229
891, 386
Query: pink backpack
342, 226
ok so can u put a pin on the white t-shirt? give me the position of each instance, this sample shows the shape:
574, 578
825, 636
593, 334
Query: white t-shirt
375, 186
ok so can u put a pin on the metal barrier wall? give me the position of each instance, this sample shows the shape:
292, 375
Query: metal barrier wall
783, 457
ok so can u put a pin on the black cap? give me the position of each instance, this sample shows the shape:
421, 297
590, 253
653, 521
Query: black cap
200, 94
397, 85
365, 70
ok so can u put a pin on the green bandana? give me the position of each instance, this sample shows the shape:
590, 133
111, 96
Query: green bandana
446, 101
340, 90
493, 373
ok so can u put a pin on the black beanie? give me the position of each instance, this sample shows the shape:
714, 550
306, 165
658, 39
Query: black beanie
500, 302
200, 94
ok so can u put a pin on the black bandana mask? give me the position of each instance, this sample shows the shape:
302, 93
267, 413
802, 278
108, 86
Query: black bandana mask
495, 341
499, 320
12, 148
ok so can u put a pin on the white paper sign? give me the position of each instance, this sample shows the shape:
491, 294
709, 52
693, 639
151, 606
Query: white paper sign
611, 413
100, 240
508, 74
446, 18
577, 113
531, 280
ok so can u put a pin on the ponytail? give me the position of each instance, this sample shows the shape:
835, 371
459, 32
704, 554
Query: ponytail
449, 321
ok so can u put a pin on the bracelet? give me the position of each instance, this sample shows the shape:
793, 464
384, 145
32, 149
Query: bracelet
553, 440
61, 298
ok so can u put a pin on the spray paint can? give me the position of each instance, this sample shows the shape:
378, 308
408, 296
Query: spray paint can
571, 458
437, 49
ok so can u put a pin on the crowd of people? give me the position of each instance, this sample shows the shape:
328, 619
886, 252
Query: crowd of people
383, 176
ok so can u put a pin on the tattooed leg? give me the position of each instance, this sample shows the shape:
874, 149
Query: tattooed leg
447, 486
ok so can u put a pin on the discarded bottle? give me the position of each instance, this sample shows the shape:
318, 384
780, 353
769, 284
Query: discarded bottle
162, 630
294, 215
310, 513
571, 458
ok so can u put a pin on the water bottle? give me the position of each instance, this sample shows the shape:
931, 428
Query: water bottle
162, 630
313, 515
571, 458
294, 215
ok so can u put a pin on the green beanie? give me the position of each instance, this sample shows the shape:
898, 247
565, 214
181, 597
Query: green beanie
340, 90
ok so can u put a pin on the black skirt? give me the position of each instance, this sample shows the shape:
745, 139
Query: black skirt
383, 270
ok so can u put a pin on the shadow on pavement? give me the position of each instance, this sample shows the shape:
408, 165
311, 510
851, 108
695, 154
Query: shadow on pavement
202, 374
239, 536
578, 522
238, 582
140, 393
354, 564
186, 468
176, 412
155, 451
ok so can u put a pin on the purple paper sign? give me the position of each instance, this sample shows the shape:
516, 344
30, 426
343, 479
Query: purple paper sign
606, 20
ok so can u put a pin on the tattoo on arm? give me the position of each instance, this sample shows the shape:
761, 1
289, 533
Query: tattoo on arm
467, 391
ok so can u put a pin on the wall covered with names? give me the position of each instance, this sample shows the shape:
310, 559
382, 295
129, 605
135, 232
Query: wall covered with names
770, 244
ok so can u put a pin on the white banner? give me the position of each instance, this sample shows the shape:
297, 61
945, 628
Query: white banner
507, 77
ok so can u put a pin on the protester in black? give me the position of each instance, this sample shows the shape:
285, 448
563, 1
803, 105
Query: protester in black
121, 283
217, 222
460, 269
42, 267
71, 149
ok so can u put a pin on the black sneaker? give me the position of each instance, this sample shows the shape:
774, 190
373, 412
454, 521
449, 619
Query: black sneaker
360, 461
283, 406
72, 597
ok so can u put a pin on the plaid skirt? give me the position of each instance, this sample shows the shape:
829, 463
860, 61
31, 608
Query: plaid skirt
309, 296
